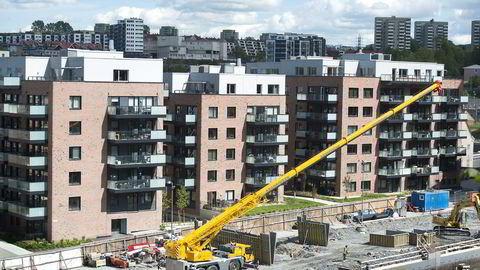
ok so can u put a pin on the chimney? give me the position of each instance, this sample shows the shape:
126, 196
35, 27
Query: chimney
239, 62
111, 46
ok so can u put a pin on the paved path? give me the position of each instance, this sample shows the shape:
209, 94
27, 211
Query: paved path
8, 250
312, 199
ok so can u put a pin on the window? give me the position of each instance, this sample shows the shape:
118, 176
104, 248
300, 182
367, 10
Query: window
231, 88
212, 154
367, 111
367, 167
259, 89
365, 185
75, 128
75, 103
74, 178
366, 148
75, 153
352, 129
212, 112
212, 176
230, 195
312, 71
231, 154
367, 92
351, 167
231, 112
352, 149
299, 71
230, 175
230, 133
368, 133
74, 204
212, 133
352, 187
352, 111
353, 92
120, 75
273, 89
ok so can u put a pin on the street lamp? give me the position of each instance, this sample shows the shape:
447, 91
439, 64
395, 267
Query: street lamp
172, 186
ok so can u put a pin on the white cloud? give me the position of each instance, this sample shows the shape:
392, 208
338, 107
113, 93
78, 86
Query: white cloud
284, 22
461, 39
33, 4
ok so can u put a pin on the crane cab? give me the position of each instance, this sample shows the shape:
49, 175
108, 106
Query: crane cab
235, 250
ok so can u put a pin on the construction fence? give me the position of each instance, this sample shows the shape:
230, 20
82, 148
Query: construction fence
312, 232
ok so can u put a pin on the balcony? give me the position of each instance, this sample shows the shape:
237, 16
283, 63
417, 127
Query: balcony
400, 117
137, 160
321, 173
10, 81
426, 135
317, 97
438, 116
395, 154
137, 136
396, 135
27, 212
23, 185
259, 181
186, 182
453, 134
456, 99
322, 117
311, 153
185, 161
266, 139
135, 185
187, 119
410, 78
423, 117
453, 151
3, 205
424, 152
322, 136
137, 111
24, 135
392, 99
395, 172
301, 133
186, 140
20, 109
425, 170
267, 160
28, 161
453, 117
267, 119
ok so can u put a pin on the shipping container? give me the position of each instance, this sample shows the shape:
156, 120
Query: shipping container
430, 200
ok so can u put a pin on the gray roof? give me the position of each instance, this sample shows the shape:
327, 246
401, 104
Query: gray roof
472, 66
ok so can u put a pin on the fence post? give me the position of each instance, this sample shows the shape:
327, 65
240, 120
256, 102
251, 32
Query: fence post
284, 225
322, 213
263, 224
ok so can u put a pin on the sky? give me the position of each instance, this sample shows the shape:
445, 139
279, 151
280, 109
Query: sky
339, 21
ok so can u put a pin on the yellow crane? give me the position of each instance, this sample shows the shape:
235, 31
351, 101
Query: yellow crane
191, 252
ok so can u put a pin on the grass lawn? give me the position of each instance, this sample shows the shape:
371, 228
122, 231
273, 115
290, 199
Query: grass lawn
290, 204
366, 196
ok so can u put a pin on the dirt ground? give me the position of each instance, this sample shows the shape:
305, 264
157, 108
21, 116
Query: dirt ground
292, 255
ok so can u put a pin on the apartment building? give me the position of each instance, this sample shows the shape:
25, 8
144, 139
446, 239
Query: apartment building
168, 31
128, 35
230, 133
475, 35
229, 35
430, 34
251, 47
329, 99
82, 139
79, 37
279, 47
392, 32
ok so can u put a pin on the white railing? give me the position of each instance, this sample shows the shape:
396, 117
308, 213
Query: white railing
29, 212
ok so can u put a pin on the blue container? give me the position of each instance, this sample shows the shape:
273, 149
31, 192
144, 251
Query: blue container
430, 200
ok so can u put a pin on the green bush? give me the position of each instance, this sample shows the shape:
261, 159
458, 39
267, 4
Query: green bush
42, 244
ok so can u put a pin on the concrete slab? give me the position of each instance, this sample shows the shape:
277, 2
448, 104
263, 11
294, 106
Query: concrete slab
8, 250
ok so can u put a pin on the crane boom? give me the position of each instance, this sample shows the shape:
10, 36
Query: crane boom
192, 247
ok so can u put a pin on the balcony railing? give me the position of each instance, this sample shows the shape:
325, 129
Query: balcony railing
186, 139
10, 81
187, 161
136, 184
317, 97
395, 153
186, 118
134, 111
392, 98
38, 159
309, 152
421, 152
267, 118
260, 180
452, 150
267, 139
137, 135
410, 78
401, 117
321, 173
24, 135
453, 133
322, 116
422, 116
322, 135
267, 159
426, 135
28, 212
395, 172
425, 169
396, 135
456, 99
186, 182
136, 159
32, 110
22, 184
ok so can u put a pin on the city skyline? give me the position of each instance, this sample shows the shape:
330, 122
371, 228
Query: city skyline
340, 22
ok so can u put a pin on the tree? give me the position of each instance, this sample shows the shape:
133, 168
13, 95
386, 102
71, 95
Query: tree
50, 27
260, 57
239, 52
166, 203
38, 26
146, 30
182, 200
346, 184
63, 27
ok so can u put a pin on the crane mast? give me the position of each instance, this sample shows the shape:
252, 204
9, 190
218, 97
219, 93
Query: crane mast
192, 247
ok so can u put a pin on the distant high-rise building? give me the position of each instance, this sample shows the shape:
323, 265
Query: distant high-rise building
429, 34
102, 28
229, 35
128, 35
476, 33
284, 46
168, 31
392, 32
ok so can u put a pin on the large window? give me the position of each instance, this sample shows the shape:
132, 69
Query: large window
351, 167
230, 175
212, 112
75, 128
230, 133
352, 149
312, 71
299, 71
367, 111
212, 133
352, 187
352, 129
120, 75
75, 153
352, 111
231, 112
367, 167
353, 92
367, 92
212, 176
366, 148
74, 178
365, 186
212, 154
230, 195
273, 89
74, 204
231, 88
230, 154
75, 103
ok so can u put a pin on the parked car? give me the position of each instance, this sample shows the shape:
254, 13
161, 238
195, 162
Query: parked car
370, 214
